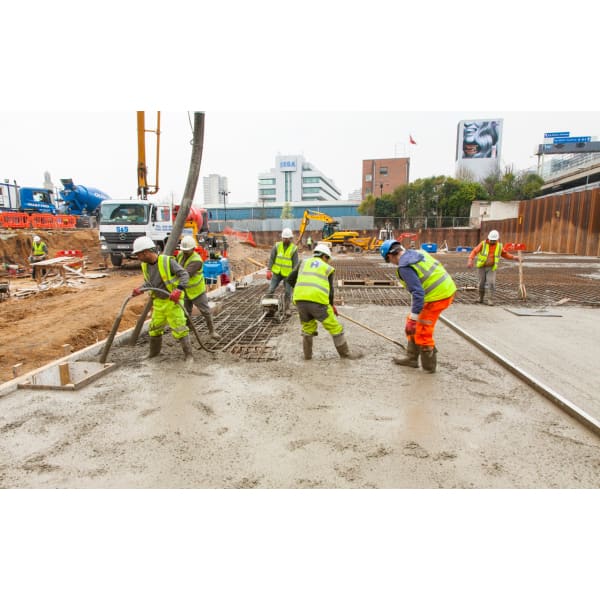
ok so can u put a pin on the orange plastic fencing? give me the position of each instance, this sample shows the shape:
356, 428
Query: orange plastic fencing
244, 236
66, 221
510, 246
15, 220
42, 221
73, 253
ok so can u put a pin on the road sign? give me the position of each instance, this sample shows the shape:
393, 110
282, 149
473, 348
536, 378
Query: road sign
572, 140
557, 134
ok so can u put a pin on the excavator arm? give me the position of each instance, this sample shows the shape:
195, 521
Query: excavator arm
313, 215
144, 188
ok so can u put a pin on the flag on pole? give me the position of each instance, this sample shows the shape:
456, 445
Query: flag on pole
410, 137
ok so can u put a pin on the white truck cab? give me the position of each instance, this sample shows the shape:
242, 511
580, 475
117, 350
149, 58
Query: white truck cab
122, 221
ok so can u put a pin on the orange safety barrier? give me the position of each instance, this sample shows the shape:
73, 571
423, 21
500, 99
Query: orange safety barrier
245, 237
66, 221
43, 221
73, 253
15, 220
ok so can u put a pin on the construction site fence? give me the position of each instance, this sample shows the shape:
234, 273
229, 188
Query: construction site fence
16, 220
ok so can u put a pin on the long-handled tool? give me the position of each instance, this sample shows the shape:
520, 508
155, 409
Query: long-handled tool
522, 290
385, 337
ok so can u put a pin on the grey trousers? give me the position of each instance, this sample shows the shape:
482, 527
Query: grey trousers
487, 279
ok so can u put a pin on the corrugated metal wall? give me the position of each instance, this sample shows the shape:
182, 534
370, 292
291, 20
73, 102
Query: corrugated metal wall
566, 223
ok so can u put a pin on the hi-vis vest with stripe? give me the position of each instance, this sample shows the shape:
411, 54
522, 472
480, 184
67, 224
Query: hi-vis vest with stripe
164, 268
196, 285
435, 280
313, 281
483, 254
283, 261
38, 249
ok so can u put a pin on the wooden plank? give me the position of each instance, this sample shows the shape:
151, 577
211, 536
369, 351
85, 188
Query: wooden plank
65, 375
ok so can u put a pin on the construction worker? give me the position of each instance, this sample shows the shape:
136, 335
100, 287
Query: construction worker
163, 272
309, 243
39, 252
432, 290
488, 253
282, 261
195, 292
313, 296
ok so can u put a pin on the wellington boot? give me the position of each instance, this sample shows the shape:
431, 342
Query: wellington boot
429, 358
412, 356
186, 346
481, 295
490, 300
211, 328
155, 346
307, 344
341, 345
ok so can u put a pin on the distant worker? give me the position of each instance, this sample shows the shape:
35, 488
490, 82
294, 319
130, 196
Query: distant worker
39, 252
165, 273
432, 290
195, 292
488, 253
309, 243
283, 259
313, 296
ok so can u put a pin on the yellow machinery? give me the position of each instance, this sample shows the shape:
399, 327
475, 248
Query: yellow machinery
331, 233
144, 188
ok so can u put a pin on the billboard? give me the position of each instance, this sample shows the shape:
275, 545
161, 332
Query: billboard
478, 146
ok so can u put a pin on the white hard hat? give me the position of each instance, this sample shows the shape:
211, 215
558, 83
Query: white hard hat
287, 234
322, 249
187, 243
142, 243
36, 238
493, 235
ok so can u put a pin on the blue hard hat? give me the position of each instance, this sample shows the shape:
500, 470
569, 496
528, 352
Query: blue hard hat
387, 246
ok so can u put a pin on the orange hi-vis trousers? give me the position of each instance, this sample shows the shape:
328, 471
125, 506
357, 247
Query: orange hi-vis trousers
427, 319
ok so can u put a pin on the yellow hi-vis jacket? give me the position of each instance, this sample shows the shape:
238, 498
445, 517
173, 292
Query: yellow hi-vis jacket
164, 268
38, 248
283, 261
196, 285
313, 281
437, 283
483, 255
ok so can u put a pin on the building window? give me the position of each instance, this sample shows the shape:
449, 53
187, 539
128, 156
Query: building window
267, 192
368, 190
369, 177
383, 170
311, 179
266, 182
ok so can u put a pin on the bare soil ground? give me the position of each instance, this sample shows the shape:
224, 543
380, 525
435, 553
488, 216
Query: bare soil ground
34, 329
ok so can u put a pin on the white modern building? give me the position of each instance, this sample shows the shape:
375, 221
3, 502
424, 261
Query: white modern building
295, 180
214, 186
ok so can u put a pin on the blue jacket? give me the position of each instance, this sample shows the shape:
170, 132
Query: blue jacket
411, 279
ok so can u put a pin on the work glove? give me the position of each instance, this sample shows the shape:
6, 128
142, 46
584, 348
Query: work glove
470, 264
410, 328
137, 292
269, 275
335, 310
175, 295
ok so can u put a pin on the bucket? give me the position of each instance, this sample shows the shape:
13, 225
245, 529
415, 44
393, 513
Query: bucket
212, 269
429, 247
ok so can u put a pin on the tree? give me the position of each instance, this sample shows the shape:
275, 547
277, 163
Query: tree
286, 211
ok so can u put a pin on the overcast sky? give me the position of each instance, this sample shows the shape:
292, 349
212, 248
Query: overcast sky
99, 149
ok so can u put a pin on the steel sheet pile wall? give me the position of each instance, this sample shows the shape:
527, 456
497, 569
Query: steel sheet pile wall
566, 223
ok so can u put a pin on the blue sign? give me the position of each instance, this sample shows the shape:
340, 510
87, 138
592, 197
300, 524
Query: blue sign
287, 163
557, 134
573, 140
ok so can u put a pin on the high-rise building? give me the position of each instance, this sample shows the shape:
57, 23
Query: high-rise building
214, 186
382, 176
295, 180
356, 195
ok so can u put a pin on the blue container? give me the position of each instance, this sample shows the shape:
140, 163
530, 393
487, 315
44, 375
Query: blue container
429, 247
212, 269
225, 266
463, 248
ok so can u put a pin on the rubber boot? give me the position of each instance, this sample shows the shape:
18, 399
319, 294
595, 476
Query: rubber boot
186, 345
341, 345
490, 300
429, 358
307, 344
155, 346
211, 328
412, 356
481, 295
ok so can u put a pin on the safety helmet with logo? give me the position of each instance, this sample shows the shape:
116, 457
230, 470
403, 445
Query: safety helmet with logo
390, 247
493, 236
287, 234
188, 243
142, 243
37, 238
322, 249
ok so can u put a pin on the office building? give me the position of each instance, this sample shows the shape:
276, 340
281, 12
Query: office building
381, 176
214, 186
295, 180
